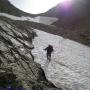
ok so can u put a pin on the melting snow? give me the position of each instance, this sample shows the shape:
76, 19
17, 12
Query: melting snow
38, 19
70, 64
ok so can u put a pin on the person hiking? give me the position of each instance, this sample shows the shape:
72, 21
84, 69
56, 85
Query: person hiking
49, 50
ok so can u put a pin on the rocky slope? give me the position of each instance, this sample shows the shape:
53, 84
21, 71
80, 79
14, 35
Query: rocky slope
17, 66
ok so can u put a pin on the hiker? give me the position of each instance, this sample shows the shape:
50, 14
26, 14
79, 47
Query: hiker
49, 50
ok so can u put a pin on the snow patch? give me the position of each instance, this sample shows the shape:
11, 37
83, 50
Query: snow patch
38, 19
46, 20
70, 64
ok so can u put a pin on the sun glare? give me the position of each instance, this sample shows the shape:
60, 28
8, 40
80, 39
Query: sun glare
36, 6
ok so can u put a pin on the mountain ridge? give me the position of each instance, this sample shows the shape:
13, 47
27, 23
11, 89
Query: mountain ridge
7, 7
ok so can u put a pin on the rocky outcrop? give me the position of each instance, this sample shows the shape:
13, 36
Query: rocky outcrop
17, 66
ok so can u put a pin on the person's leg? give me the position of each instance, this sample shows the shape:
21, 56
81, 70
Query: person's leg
49, 56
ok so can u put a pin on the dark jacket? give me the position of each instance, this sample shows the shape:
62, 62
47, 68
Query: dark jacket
49, 49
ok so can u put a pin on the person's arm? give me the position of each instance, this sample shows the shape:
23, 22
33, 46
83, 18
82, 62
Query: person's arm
45, 48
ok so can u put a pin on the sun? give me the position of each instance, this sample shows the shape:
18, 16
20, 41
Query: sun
36, 6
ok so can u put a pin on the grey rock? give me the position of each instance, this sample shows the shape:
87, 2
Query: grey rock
16, 59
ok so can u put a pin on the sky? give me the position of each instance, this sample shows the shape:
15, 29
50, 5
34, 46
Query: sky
37, 6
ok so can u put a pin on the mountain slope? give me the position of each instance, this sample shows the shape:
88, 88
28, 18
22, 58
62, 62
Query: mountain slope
7, 7
17, 66
73, 24
78, 10
16, 59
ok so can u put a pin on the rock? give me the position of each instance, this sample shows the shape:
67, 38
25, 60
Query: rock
16, 59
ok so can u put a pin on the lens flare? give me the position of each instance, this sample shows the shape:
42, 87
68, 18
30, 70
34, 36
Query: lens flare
38, 6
